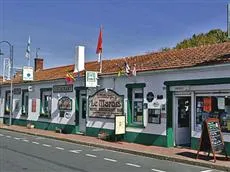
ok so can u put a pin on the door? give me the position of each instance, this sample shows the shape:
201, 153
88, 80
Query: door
183, 121
82, 113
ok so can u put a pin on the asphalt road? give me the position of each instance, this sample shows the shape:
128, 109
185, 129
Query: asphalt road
21, 152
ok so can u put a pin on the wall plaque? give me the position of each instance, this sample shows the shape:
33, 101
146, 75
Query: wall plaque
105, 104
62, 88
65, 103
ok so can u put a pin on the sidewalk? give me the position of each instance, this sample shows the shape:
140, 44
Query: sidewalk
183, 155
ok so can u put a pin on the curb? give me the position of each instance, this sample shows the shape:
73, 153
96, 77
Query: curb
156, 156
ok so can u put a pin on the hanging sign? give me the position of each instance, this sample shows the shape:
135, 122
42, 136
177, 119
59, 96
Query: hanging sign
28, 73
105, 104
211, 138
91, 79
150, 97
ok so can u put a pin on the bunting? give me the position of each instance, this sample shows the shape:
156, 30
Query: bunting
69, 78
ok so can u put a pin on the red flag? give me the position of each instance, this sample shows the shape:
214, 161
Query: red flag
99, 43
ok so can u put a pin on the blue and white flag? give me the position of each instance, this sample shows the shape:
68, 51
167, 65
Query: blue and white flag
27, 55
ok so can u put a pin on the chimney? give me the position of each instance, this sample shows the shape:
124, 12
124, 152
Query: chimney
38, 64
79, 58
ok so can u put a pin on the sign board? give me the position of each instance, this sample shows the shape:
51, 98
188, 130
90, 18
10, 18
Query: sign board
91, 79
211, 138
28, 73
105, 103
65, 103
62, 88
119, 125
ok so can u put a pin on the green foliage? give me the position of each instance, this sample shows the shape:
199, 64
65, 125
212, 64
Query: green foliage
212, 37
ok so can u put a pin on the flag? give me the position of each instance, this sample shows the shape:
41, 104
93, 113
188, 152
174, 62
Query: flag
69, 78
127, 69
99, 46
134, 71
27, 55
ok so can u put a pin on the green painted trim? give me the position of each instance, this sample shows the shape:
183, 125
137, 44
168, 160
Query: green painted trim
135, 85
66, 128
169, 110
77, 100
5, 112
209, 81
129, 105
135, 125
132, 137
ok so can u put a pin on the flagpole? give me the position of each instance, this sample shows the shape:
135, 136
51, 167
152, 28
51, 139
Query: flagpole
100, 54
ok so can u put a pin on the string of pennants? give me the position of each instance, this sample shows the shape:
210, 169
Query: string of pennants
126, 70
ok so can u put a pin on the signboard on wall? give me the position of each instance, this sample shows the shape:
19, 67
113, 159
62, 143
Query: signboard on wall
17, 91
105, 103
62, 88
91, 79
65, 103
28, 73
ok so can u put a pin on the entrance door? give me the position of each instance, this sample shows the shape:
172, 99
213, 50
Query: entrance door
183, 124
82, 113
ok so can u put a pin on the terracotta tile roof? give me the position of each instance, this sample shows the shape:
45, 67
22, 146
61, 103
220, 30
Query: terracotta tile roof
173, 59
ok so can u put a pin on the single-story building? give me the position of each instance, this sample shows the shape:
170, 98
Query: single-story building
164, 103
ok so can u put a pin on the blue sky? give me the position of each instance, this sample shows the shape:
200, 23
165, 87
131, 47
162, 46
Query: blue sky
130, 27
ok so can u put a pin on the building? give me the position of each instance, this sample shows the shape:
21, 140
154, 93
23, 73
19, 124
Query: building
164, 104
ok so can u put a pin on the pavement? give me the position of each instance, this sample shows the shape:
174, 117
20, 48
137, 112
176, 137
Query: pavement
183, 155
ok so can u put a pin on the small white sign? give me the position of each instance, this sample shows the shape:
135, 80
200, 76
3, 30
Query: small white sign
28, 73
119, 124
91, 79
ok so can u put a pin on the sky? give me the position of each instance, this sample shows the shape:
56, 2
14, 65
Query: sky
130, 27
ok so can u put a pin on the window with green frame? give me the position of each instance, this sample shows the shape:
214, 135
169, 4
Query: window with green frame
25, 102
45, 102
135, 104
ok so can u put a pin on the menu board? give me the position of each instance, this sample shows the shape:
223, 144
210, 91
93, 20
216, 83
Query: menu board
211, 138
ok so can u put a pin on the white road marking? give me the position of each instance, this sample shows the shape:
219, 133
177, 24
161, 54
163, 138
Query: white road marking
207, 171
97, 149
74, 151
108, 159
26, 140
90, 155
59, 148
1, 135
8, 136
133, 165
46, 145
157, 170
36, 143
16, 138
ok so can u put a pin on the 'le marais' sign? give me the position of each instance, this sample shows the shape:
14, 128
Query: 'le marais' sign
105, 104
62, 88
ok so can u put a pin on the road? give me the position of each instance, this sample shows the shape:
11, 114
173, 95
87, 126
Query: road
21, 153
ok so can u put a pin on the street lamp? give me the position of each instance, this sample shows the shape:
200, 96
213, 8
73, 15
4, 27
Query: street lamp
11, 78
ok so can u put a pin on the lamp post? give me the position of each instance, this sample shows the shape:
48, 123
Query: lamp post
11, 78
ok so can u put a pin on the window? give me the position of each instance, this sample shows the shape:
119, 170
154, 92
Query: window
213, 107
46, 102
25, 102
137, 106
7, 102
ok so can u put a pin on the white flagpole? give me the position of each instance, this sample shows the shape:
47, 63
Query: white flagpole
100, 57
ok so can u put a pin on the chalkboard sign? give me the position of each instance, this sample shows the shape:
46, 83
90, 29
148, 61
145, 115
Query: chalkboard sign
211, 138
